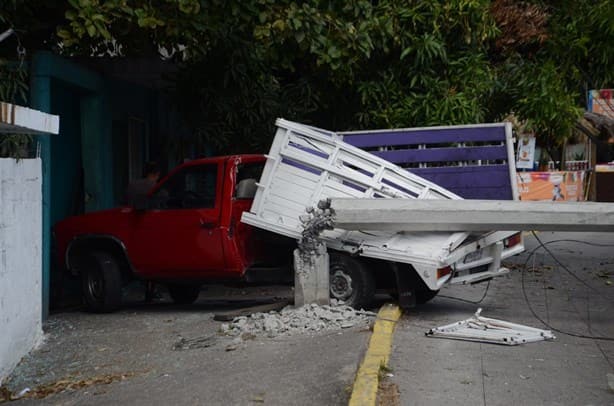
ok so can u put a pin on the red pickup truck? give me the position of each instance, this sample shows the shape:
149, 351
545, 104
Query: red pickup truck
187, 231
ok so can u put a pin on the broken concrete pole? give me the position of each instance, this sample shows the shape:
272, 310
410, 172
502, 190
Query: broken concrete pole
311, 276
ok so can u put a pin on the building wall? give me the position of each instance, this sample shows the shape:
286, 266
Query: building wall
67, 180
87, 167
20, 260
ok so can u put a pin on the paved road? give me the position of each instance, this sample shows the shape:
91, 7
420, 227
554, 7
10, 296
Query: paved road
567, 371
318, 370
139, 340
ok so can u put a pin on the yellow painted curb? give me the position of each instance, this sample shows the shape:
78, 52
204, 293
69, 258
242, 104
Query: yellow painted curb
364, 391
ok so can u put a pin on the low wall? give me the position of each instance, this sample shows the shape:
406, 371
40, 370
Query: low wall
20, 260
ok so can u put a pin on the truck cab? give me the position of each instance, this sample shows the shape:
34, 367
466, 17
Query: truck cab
185, 232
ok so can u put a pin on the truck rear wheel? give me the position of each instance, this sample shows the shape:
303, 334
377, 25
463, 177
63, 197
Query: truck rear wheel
423, 296
183, 294
101, 282
350, 281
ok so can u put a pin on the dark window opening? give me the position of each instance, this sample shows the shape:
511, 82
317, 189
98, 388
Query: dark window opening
192, 188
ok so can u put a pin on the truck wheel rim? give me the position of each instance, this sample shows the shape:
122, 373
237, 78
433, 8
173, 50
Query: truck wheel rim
95, 286
341, 285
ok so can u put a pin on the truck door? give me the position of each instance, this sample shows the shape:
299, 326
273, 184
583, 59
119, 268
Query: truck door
181, 236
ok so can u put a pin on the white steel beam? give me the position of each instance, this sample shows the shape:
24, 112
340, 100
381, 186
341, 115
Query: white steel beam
470, 215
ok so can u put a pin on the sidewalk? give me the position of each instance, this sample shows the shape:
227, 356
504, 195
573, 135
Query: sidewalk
135, 357
567, 371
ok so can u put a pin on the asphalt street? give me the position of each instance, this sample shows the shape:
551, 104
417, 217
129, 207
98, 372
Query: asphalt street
567, 371
134, 356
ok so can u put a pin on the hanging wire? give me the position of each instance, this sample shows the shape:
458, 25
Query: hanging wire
526, 297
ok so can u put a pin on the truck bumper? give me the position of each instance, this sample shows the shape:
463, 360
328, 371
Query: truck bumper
474, 261
485, 263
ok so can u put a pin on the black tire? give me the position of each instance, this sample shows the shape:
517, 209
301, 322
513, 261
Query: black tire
423, 296
101, 281
183, 294
350, 281
423, 293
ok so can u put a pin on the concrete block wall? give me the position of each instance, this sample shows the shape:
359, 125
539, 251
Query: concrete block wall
20, 260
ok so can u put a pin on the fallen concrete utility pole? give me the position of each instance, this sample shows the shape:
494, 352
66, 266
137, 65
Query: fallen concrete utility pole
470, 215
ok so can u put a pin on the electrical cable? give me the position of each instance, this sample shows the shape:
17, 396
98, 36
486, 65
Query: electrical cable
469, 301
531, 254
526, 298
549, 252
542, 245
595, 244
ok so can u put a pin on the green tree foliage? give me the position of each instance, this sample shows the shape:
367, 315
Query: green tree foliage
405, 63
13, 89
551, 53
349, 64
233, 102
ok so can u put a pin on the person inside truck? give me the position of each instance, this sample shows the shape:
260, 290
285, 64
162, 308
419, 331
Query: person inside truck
140, 187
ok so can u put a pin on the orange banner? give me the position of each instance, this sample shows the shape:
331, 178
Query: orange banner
554, 186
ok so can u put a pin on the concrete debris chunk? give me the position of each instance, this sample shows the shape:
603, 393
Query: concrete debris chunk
310, 318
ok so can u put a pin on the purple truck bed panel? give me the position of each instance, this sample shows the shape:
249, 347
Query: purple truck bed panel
440, 159
407, 156
471, 182
425, 136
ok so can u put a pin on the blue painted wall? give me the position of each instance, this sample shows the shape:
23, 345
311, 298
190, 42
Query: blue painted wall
88, 105
66, 182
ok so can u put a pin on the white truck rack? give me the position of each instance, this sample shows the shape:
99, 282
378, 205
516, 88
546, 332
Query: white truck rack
307, 164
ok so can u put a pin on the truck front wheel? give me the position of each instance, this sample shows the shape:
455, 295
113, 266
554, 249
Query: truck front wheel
350, 281
101, 283
183, 294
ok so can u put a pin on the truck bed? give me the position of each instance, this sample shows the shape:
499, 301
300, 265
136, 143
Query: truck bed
306, 165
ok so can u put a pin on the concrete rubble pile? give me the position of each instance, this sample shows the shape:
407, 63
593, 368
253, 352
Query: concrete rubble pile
309, 318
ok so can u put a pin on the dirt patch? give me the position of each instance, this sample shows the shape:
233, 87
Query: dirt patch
388, 394
43, 391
